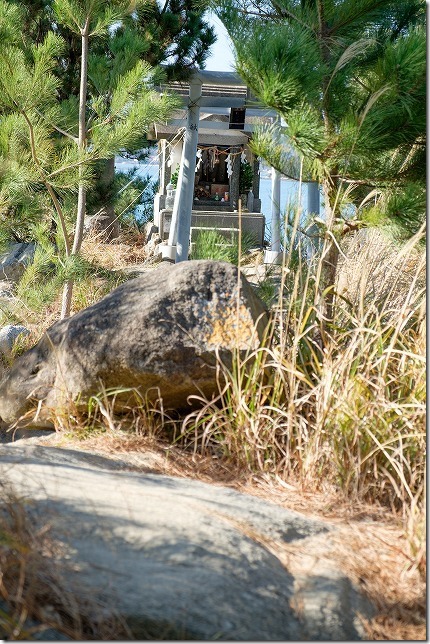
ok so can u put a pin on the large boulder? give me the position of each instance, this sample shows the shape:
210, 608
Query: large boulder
160, 332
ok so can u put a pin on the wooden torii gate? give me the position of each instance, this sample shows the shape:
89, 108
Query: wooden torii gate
177, 246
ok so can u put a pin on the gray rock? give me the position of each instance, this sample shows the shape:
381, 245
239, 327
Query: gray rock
159, 332
8, 336
24, 433
149, 230
7, 290
14, 261
181, 559
152, 246
104, 224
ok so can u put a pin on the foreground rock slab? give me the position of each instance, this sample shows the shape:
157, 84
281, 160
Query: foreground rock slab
159, 332
180, 559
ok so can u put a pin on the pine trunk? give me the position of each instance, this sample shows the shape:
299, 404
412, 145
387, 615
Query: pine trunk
106, 223
330, 258
82, 195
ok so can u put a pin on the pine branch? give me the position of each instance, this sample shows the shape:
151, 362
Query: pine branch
281, 13
57, 128
353, 17
46, 183
71, 166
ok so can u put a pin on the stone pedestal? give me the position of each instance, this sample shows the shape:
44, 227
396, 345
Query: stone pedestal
159, 204
252, 223
168, 252
273, 257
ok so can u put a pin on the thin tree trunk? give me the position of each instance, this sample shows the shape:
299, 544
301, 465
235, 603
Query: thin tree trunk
82, 196
328, 279
68, 286
329, 262
105, 222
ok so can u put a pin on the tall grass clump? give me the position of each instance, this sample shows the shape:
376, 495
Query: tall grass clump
211, 244
38, 599
337, 402
114, 410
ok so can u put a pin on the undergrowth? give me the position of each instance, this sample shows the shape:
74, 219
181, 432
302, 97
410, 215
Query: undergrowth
38, 292
211, 244
339, 404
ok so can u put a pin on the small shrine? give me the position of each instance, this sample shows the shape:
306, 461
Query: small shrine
225, 169
208, 177
206, 180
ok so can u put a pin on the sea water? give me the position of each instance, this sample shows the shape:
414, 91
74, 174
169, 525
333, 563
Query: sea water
289, 189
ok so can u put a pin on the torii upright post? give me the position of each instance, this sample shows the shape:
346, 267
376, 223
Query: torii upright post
313, 198
276, 211
274, 255
181, 216
314, 240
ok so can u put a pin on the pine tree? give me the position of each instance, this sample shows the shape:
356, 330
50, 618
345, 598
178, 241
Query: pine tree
48, 145
348, 79
174, 33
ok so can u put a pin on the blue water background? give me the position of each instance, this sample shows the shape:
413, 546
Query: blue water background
289, 189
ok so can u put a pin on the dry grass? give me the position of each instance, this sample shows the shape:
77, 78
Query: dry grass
35, 583
366, 542
375, 271
123, 252
377, 560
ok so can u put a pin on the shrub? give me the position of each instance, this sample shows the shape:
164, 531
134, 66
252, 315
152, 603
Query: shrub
210, 244
340, 404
